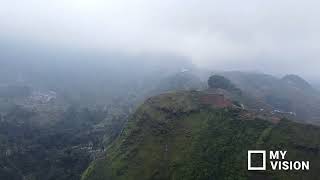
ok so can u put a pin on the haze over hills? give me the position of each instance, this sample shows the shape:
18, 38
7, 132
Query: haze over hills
60, 111
317, 86
70, 116
288, 94
80, 103
92, 77
158, 90
202, 135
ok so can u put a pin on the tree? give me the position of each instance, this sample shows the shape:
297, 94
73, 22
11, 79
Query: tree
217, 81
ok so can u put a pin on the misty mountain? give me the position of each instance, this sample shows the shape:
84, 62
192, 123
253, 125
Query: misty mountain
92, 77
62, 115
201, 135
290, 94
297, 82
60, 109
158, 90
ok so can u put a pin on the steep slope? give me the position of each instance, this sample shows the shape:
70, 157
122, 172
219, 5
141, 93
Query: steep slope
178, 136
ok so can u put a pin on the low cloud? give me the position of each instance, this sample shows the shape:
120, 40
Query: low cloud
272, 36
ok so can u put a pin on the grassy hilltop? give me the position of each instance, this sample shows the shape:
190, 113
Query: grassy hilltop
176, 136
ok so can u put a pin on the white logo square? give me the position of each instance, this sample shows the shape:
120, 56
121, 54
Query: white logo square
264, 163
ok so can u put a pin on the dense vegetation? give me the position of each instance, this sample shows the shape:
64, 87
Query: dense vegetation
173, 136
60, 151
48, 142
217, 81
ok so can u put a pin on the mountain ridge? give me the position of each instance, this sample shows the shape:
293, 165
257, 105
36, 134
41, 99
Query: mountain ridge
176, 136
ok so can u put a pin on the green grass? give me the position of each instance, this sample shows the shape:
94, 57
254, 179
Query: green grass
173, 137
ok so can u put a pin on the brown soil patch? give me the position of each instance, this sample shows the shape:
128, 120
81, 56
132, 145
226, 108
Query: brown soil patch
216, 100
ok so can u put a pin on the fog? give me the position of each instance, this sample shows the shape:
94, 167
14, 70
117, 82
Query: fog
149, 89
277, 37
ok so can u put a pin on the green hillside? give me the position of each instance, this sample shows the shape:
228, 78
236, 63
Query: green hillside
174, 136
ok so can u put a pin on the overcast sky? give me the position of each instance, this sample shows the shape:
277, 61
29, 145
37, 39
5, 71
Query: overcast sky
274, 36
